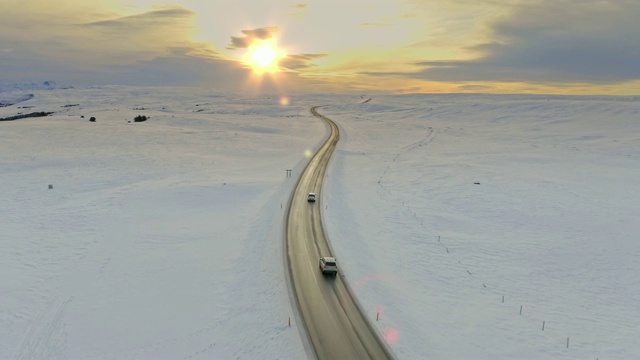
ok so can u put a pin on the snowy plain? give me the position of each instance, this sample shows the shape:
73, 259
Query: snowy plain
449, 215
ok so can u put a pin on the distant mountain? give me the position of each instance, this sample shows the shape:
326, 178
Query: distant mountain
22, 86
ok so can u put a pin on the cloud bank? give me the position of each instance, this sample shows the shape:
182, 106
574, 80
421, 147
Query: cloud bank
552, 41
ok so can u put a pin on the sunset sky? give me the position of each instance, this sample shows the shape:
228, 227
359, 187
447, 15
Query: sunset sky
399, 46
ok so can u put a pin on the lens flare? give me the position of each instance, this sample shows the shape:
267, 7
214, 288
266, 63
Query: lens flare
308, 153
391, 336
284, 100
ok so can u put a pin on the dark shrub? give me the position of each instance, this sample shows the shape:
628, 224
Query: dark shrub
92, 119
140, 118
24, 116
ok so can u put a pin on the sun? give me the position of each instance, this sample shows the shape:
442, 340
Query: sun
263, 56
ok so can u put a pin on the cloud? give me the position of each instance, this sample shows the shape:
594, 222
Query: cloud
181, 67
298, 11
150, 48
478, 88
139, 36
62, 42
300, 61
154, 18
552, 41
250, 36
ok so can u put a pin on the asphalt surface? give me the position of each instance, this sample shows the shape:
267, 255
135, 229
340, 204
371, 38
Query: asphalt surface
336, 327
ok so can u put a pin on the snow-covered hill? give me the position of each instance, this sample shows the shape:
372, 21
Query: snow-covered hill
14, 93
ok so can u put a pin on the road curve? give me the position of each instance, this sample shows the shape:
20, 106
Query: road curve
336, 327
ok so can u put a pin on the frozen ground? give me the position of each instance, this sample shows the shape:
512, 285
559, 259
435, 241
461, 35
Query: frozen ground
163, 239
552, 225
159, 240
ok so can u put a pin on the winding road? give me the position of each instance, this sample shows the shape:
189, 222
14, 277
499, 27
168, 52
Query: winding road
335, 324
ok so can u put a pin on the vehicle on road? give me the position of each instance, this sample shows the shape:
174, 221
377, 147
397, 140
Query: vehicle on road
328, 265
311, 197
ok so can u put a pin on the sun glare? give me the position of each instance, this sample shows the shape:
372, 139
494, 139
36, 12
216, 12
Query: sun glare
263, 56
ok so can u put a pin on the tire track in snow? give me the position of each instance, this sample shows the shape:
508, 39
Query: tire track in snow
45, 337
